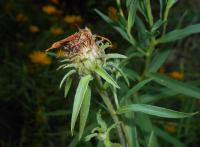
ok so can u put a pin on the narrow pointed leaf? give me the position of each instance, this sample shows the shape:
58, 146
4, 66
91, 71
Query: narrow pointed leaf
67, 86
115, 55
132, 14
135, 88
79, 97
103, 16
180, 33
152, 142
84, 111
65, 77
177, 86
101, 72
153, 110
159, 60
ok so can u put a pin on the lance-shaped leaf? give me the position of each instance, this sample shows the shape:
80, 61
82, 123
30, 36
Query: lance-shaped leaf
102, 73
79, 97
177, 86
132, 13
106, 18
115, 55
66, 76
84, 111
153, 110
67, 86
180, 33
134, 89
152, 140
158, 61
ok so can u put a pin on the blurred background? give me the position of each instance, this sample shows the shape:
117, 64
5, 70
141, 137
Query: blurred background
33, 111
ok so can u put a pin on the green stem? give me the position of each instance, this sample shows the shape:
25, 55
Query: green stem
112, 112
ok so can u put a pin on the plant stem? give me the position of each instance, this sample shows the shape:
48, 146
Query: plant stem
112, 112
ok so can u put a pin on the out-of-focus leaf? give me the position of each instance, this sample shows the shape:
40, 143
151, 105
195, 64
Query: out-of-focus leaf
153, 110
132, 14
158, 61
175, 85
134, 89
152, 142
180, 33
164, 135
84, 111
106, 18
79, 97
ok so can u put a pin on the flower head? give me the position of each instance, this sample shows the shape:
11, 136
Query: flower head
176, 75
84, 50
73, 19
56, 31
49, 9
34, 29
112, 13
39, 57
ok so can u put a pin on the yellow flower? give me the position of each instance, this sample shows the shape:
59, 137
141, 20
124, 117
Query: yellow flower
112, 13
34, 29
170, 127
49, 9
56, 31
21, 17
176, 75
39, 57
73, 19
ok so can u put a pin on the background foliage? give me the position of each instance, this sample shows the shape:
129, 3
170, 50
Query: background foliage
33, 111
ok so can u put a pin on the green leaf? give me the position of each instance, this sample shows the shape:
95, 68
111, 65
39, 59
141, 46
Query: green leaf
166, 136
134, 89
120, 71
132, 14
157, 25
153, 110
177, 86
101, 72
67, 86
152, 142
79, 97
115, 55
159, 60
180, 33
122, 32
101, 122
103, 16
84, 111
66, 76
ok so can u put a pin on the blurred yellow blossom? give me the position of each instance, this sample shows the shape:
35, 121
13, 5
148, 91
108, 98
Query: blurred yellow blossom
39, 57
21, 17
33, 28
55, 1
161, 70
170, 127
112, 13
73, 19
176, 75
49, 9
57, 31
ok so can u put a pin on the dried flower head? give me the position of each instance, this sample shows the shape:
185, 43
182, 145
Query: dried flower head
84, 50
